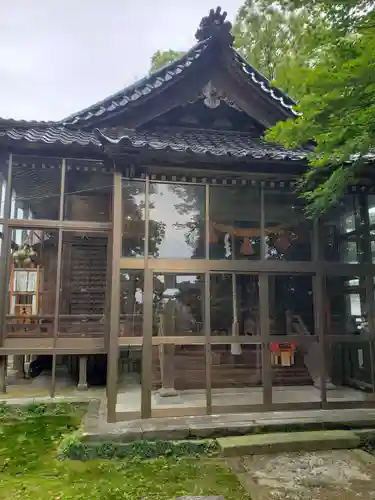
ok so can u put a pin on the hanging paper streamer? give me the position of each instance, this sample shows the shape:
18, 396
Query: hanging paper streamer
227, 246
266, 250
236, 349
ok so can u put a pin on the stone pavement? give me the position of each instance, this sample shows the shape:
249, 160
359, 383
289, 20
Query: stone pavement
329, 475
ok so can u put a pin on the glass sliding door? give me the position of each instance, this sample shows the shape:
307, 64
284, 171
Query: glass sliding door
295, 358
178, 360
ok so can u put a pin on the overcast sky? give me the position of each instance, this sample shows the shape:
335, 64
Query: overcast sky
59, 56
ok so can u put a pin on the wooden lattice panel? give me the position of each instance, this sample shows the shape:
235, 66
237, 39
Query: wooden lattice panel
88, 277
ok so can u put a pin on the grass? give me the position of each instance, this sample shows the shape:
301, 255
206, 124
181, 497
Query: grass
29, 468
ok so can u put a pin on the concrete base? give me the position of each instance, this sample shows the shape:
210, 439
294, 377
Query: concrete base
82, 387
97, 429
329, 385
167, 395
262, 444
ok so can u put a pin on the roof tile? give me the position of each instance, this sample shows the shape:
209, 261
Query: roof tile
200, 142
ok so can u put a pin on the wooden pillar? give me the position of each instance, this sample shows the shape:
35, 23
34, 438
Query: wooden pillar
82, 374
265, 337
19, 366
114, 317
167, 351
5, 253
3, 374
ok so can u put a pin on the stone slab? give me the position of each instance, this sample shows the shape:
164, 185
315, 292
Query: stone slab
365, 434
262, 444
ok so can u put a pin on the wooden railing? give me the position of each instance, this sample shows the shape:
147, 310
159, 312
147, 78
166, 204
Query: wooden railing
70, 325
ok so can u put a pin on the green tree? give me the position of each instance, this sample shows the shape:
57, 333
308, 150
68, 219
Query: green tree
270, 37
337, 102
161, 58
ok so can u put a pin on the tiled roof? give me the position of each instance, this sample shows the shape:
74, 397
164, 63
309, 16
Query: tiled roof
200, 142
139, 89
164, 75
284, 100
50, 135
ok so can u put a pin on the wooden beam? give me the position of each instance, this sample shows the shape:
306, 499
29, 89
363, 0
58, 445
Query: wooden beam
244, 98
66, 225
253, 92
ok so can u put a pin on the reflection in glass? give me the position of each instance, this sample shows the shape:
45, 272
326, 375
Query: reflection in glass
234, 304
291, 305
234, 222
349, 367
178, 306
178, 378
3, 184
177, 221
371, 215
346, 305
236, 379
133, 219
131, 303
343, 230
287, 231
35, 190
88, 192
31, 297
295, 372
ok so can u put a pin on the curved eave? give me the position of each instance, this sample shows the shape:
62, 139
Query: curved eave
236, 146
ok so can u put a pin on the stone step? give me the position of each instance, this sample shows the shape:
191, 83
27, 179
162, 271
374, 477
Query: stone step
262, 444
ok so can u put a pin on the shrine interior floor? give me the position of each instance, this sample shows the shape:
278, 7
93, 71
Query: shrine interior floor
129, 394
129, 397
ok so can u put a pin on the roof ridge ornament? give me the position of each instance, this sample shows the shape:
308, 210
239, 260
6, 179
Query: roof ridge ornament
215, 26
211, 96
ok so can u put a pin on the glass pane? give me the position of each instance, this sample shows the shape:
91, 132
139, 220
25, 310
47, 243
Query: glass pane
371, 209
349, 371
3, 184
131, 303
236, 375
32, 283
371, 213
178, 305
287, 231
88, 192
346, 305
295, 372
178, 380
291, 305
36, 188
234, 222
133, 219
38, 383
177, 221
234, 304
83, 311
342, 232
